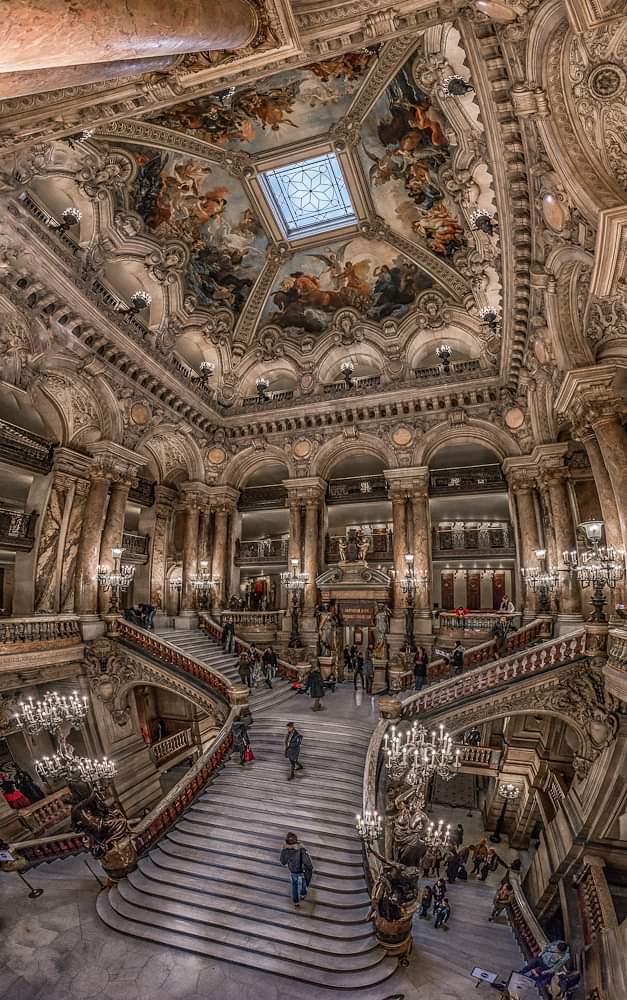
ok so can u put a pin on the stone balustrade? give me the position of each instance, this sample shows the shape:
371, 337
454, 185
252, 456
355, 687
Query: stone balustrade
468, 479
527, 931
164, 652
25, 449
284, 669
17, 529
474, 538
267, 620
134, 545
38, 632
46, 814
479, 757
474, 622
262, 551
168, 747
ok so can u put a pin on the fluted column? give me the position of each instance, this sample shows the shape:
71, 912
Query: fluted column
112, 532
55, 34
86, 593
607, 500
294, 541
528, 536
203, 535
311, 565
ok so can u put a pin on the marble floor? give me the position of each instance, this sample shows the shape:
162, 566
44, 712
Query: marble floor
56, 948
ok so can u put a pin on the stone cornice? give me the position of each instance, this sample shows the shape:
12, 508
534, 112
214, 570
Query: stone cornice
407, 482
21, 668
306, 488
223, 497
585, 386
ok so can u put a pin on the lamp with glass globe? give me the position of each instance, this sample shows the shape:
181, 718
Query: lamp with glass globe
598, 566
117, 580
509, 793
542, 581
263, 384
347, 368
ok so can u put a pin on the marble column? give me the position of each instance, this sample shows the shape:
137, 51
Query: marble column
190, 557
220, 535
69, 561
613, 444
164, 498
112, 534
528, 538
203, 535
421, 547
607, 500
37, 36
565, 540
310, 561
294, 540
399, 545
86, 583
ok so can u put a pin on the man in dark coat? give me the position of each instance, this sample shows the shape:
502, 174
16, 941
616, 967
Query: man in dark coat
316, 688
244, 669
293, 742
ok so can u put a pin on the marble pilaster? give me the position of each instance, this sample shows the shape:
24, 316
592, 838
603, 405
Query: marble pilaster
613, 444
308, 493
112, 533
86, 584
564, 536
164, 499
421, 544
223, 500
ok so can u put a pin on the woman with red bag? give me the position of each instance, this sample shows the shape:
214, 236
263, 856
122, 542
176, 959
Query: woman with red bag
241, 742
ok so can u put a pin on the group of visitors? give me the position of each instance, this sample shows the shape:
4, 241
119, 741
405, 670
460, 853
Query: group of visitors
142, 615
361, 667
435, 896
18, 788
254, 666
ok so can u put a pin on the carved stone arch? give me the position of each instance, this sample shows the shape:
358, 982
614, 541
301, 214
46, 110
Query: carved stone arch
253, 367
364, 352
149, 677
565, 301
474, 432
174, 452
550, 49
344, 446
77, 403
248, 461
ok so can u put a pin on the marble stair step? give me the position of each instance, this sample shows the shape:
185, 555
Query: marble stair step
283, 822
217, 865
272, 901
263, 861
169, 859
274, 777
341, 852
132, 920
295, 931
284, 792
302, 817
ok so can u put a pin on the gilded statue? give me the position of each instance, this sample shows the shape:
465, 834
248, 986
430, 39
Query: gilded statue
326, 631
363, 544
342, 547
105, 828
381, 621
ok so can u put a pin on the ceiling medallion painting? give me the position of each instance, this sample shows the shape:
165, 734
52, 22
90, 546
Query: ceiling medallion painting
288, 107
404, 148
366, 275
206, 208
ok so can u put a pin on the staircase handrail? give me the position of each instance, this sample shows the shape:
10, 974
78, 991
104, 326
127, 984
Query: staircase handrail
484, 650
164, 651
496, 673
155, 823
20, 630
528, 932
284, 668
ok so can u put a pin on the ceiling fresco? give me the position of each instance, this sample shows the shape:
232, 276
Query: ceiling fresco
205, 207
288, 107
403, 149
366, 275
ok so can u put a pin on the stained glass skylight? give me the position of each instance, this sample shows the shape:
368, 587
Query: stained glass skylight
309, 197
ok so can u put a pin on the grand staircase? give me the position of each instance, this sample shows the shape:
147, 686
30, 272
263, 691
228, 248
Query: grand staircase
197, 643
214, 884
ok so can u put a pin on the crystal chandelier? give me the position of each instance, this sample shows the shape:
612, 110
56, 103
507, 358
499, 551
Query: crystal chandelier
420, 755
369, 826
52, 712
437, 836
542, 581
263, 385
117, 580
347, 369
65, 765
509, 791
203, 583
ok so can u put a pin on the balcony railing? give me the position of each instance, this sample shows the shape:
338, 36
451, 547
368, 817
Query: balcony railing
468, 479
477, 540
38, 632
458, 370
17, 530
266, 551
363, 382
381, 549
143, 492
25, 449
246, 619
170, 746
357, 489
274, 399
262, 497
47, 814
134, 545
479, 621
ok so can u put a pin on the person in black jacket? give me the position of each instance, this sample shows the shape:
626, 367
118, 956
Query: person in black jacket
457, 658
293, 741
300, 867
316, 688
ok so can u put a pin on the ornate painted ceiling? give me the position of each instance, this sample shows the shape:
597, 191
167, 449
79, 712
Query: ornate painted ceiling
172, 205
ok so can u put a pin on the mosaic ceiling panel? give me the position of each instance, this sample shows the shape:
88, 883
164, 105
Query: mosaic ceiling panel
287, 107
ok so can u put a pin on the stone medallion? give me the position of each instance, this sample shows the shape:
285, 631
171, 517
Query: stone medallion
607, 82
402, 436
514, 418
302, 448
216, 456
140, 414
